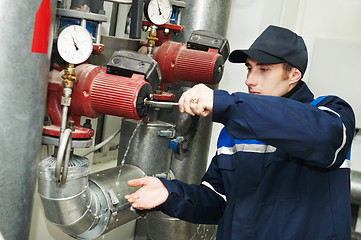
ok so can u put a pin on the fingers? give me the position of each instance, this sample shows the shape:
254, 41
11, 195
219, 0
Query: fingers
132, 198
197, 101
151, 194
136, 182
184, 102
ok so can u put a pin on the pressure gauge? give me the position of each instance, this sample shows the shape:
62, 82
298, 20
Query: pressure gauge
75, 44
158, 11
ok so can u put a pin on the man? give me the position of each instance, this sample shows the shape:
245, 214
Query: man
280, 171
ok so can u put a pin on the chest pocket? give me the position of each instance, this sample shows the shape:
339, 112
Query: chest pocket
241, 170
249, 171
226, 166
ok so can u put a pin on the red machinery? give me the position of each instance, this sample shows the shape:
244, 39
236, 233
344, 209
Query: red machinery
178, 63
96, 92
131, 77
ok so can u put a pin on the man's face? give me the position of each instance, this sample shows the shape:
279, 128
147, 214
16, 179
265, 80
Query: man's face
268, 79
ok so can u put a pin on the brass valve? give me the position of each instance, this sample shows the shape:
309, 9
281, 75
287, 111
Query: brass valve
152, 36
69, 76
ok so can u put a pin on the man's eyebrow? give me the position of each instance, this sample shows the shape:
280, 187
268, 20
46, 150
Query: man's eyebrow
264, 64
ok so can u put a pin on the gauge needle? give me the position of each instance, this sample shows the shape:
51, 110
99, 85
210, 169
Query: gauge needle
160, 13
76, 47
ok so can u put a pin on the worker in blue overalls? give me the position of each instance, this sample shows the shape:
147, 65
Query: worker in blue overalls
281, 170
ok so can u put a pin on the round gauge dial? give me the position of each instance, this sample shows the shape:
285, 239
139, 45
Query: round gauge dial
75, 44
158, 11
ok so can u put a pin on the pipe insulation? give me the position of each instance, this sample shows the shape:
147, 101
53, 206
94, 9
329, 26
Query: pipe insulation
209, 15
87, 205
25, 46
355, 187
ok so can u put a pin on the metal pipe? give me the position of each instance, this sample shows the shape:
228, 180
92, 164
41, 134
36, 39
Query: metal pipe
83, 23
61, 169
22, 96
209, 15
153, 139
136, 19
71, 206
64, 115
98, 34
355, 187
86, 206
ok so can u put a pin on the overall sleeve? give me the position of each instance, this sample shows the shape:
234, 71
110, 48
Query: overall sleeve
320, 135
202, 204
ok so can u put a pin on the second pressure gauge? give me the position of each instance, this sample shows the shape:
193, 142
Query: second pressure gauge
158, 12
75, 44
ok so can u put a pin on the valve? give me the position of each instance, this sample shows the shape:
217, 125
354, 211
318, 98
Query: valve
152, 39
181, 144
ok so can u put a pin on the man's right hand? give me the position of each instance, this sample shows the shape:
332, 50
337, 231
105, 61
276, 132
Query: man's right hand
197, 101
150, 195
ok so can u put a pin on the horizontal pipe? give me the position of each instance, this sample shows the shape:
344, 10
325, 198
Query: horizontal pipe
86, 205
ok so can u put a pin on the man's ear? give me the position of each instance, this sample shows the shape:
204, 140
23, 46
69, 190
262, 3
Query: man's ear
295, 75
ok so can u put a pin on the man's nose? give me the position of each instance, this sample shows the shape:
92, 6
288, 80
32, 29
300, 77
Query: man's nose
251, 80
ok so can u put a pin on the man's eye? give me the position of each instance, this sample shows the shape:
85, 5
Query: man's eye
249, 69
264, 69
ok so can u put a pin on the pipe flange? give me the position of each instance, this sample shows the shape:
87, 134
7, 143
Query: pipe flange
76, 143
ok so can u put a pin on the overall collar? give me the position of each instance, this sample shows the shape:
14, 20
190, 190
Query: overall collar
300, 93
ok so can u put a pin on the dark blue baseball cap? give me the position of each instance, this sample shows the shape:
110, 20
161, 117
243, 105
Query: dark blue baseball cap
275, 45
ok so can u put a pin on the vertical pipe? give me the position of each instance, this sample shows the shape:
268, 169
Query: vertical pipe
199, 15
136, 19
24, 72
210, 15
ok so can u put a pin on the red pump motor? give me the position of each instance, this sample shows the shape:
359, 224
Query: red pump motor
96, 92
201, 60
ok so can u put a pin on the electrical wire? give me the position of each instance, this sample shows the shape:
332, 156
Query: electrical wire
100, 145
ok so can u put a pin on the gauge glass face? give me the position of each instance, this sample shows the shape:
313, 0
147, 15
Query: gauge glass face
75, 44
159, 11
